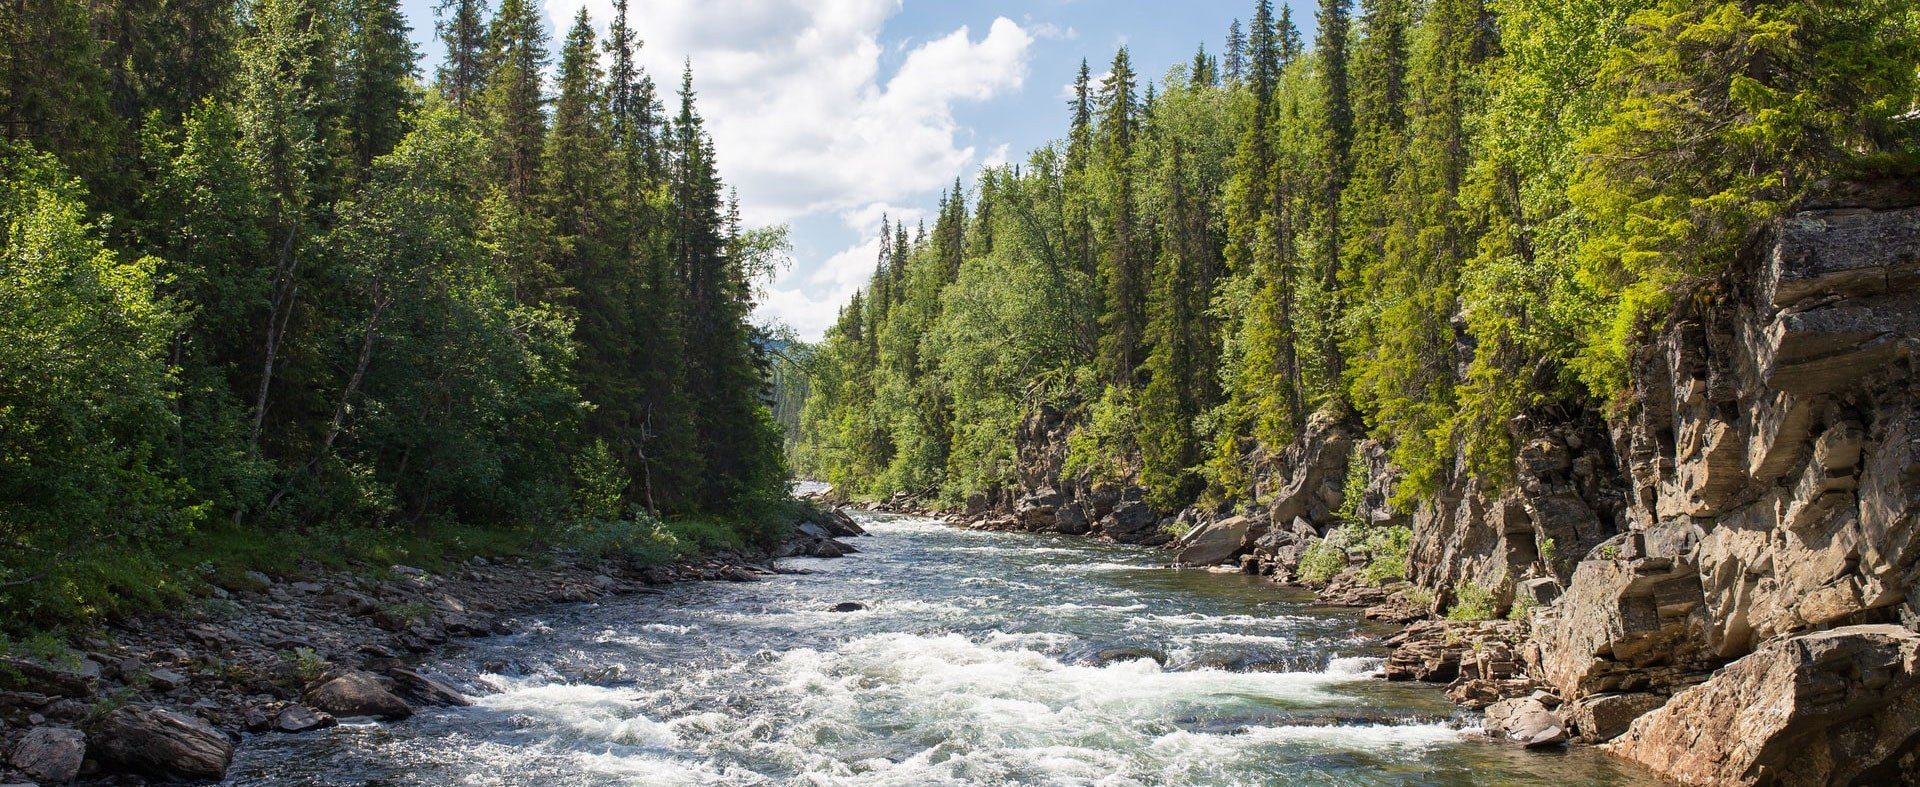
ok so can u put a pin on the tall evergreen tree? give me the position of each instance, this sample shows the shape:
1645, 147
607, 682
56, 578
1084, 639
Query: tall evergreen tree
462, 26
379, 73
515, 99
1123, 271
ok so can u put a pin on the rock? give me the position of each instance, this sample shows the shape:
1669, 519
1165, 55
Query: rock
79, 681
1215, 542
50, 754
1525, 721
300, 718
1434, 650
848, 606
426, 689
353, 693
1832, 707
1071, 519
160, 744
1602, 717
166, 680
1133, 522
1105, 656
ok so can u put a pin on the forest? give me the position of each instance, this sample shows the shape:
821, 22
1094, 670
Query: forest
272, 293
1441, 218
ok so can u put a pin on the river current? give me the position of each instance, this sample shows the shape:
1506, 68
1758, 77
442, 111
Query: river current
978, 658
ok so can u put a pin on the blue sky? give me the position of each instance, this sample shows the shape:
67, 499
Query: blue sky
828, 113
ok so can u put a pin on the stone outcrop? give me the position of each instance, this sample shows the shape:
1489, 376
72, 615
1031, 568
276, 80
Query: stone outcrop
50, 755
353, 693
1725, 565
1840, 706
160, 744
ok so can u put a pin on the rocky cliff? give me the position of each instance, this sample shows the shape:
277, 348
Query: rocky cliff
1715, 572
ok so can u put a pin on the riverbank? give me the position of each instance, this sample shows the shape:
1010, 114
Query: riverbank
166, 696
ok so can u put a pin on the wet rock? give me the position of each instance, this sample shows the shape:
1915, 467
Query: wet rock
426, 689
1603, 717
300, 718
848, 606
1106, 656
160, 744
1215, 542
353, 693
51, 755
1071, 519
1526, 721
1832, 707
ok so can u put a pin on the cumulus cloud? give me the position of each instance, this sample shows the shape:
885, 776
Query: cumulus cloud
804, 120
809, 127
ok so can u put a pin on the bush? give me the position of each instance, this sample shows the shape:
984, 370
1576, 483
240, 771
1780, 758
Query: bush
1472, 602
1387, 549
1322, 562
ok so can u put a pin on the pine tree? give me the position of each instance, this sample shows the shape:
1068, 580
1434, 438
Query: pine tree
1236, 57
462, 27
515, 101
1122, 271
1336, 129
379, 72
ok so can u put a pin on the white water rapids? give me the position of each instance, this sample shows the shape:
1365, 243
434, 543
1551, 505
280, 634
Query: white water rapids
980, 659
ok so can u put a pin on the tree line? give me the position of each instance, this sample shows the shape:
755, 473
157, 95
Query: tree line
1439, 218
264, 282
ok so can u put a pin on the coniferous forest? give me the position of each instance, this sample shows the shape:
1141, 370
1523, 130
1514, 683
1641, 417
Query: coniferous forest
270, 290
1437, 217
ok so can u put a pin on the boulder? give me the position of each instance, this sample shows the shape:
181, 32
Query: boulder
1602, 717
1526, 721
1133, 522
160, 744
352, 693
426, 689
300, 718
1832, 707
1215, 542
847, 606
59, 681
50, 755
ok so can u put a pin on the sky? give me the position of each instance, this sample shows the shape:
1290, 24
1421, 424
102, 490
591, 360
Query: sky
829, 114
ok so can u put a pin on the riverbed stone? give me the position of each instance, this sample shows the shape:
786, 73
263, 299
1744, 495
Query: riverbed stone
160, 744
426, 689
300, 718
1215, 542
51, 755
353, 694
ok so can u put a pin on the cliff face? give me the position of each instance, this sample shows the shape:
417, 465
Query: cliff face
1753, 508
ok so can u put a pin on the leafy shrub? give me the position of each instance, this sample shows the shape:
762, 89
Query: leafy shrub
1322, 561
1387, 549
1472, 602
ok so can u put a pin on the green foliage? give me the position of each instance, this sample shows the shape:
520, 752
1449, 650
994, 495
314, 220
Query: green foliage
300, 309
1322, 561
1472, 602
1386, 549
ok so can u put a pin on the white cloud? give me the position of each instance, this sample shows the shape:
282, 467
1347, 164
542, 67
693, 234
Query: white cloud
807, 126
794, 97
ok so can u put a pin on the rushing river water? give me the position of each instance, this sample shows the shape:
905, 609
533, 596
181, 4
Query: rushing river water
981, 658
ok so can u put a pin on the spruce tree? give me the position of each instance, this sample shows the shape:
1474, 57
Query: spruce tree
462, 26
1123, 273
379, 73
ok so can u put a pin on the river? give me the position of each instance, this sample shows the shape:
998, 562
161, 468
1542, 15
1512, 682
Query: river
979, 658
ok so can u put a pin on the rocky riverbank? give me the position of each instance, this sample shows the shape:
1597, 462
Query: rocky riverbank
1713, 577
166, 698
